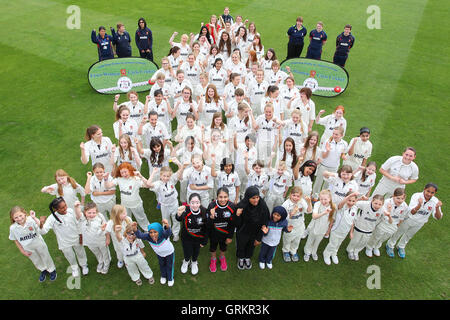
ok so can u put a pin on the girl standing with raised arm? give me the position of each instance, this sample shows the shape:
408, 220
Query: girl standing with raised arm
125, 125
360, 149
92, 226
129, 182
322, 217
65, 187
97, 147
24, 231
64, 222
422, 205
104, 198
398, 171
193, 231
330, 122
135, 107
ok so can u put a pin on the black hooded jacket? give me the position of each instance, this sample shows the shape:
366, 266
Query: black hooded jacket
253, 217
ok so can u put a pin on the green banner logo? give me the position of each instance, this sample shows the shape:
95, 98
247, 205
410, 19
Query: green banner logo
121, 75
324, 78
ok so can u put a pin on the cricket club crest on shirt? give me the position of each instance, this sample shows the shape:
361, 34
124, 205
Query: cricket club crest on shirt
30, 228
131, 187
429, 208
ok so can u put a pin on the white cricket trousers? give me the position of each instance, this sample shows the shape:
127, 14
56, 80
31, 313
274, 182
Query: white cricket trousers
406, 231
319, 182
169, 212
358, 242
379, 235
139, 215
117, 247
243, 177
183, 191
273, 200
135, 264
264, 149
291, 240
40, 256
334, 243
102, 254
73, 253
106, 207
384, 190
312, 243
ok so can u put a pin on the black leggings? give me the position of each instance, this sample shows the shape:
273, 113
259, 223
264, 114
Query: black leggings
245, 245
191, 249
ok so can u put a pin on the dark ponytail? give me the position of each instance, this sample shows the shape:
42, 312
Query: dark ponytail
54, 206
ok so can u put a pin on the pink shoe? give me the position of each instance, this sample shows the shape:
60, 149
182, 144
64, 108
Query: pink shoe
223, 263
212, 265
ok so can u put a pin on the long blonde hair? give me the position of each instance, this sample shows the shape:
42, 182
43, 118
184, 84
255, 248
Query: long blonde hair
62, 173
115, 214
332, 205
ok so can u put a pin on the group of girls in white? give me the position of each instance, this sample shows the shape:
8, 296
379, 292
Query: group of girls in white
249, 162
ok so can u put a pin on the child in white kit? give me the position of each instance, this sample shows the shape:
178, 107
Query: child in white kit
24, 231
344, 223
199, 179
257, 177
134, 255
103, 197
65, 187
279, 183
129, 182
227, 177
365, 179
296, 208
92, 226
322, 216
369, 215
422, 205
64, 222
167, 195
119, 217
389, 223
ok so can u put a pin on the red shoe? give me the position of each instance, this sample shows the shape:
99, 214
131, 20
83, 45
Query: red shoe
212, 265
223, 263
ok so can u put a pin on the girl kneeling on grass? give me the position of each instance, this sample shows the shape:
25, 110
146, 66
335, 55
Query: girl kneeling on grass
24, 231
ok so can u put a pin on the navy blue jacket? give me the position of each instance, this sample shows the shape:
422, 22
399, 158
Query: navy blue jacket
316, 38
295, 35
122, 43
104, 46
144, 39
344, 44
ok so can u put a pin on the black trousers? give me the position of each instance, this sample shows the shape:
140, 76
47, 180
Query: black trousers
245, 245
191, 249
294, 50
147, 55
340, 60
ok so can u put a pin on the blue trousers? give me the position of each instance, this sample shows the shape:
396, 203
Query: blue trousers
166, 265
267, 253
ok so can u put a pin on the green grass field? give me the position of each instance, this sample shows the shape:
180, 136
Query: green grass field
398, 87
